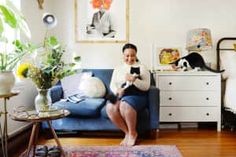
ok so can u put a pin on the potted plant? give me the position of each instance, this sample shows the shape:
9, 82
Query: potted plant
46, 66
11, 51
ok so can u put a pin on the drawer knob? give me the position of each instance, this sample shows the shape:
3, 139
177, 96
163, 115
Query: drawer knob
207, 114
170, 98
170, 114
170, 83
207, 98
207, 83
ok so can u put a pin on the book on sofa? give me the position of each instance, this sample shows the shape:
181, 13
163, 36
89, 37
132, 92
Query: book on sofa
76, 98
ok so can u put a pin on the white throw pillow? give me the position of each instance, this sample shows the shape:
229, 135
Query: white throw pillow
70, 84
228, 63
93, 87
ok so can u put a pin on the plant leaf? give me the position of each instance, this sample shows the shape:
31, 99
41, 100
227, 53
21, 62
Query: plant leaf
21, 22
9, 16
1, 27
24, 27
52, 41
77, 58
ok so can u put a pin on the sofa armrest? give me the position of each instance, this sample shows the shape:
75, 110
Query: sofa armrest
56, 93
154, 106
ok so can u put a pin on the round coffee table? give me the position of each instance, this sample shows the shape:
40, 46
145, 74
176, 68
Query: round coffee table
36, 119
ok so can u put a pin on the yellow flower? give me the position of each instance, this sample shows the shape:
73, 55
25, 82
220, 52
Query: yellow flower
23, 69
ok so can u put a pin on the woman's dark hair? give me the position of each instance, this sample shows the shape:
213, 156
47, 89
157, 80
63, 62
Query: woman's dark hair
129, 46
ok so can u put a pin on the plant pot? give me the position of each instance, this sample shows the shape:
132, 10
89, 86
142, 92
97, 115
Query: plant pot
7, 82
42, 101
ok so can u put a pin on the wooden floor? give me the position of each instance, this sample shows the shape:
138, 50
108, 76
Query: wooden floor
191, 143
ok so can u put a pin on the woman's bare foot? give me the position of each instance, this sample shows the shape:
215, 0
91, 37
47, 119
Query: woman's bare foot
132, 139
125, 140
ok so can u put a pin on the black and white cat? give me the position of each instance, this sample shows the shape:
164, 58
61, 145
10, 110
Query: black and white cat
193, 61
135, 71
127, 86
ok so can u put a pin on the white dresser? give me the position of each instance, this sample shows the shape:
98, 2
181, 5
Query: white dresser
190, 97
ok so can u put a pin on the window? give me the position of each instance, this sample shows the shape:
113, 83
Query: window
11, 34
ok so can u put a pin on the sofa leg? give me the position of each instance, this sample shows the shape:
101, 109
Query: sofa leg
47, 134
153, 134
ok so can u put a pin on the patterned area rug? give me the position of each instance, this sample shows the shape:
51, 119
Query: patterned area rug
121, 151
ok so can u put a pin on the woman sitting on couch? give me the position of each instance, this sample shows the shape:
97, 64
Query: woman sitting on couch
132, 99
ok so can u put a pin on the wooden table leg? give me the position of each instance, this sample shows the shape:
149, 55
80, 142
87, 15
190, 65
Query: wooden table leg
32, 138
56, 138
35, 138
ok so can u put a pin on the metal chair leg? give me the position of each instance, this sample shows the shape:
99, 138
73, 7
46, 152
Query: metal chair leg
2, 141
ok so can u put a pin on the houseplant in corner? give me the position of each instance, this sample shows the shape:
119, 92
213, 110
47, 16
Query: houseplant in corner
47, 67
11, 50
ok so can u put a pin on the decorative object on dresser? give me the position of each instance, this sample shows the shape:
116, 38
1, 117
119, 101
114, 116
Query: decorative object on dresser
198, 39
168, 55
163, 56
190, 97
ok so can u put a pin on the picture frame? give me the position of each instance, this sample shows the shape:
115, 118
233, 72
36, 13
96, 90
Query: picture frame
102, 21
163, 56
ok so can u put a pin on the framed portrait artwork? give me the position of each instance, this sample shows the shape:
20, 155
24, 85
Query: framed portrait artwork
101, 21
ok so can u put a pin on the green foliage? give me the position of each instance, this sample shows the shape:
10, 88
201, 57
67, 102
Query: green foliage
51, 67
54, 66
11, 17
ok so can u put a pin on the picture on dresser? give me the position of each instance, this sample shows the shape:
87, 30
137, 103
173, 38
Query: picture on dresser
163, 56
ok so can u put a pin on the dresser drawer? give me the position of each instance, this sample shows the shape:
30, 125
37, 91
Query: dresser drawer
187, 83
187, 114
190, 98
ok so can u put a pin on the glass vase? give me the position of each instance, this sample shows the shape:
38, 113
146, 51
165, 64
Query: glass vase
43, 101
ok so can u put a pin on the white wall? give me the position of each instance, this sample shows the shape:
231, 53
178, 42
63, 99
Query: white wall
159, 22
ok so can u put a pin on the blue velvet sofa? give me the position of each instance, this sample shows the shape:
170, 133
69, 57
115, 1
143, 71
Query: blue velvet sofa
90, 114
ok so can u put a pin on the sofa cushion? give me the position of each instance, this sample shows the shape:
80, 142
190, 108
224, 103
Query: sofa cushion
92, 87
104, 112
90, 107
70, 84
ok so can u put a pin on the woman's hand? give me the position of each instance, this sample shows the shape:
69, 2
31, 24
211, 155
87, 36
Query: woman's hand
120, 92
130, 77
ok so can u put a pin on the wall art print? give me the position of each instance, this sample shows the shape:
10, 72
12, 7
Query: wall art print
101, 21
163, 56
